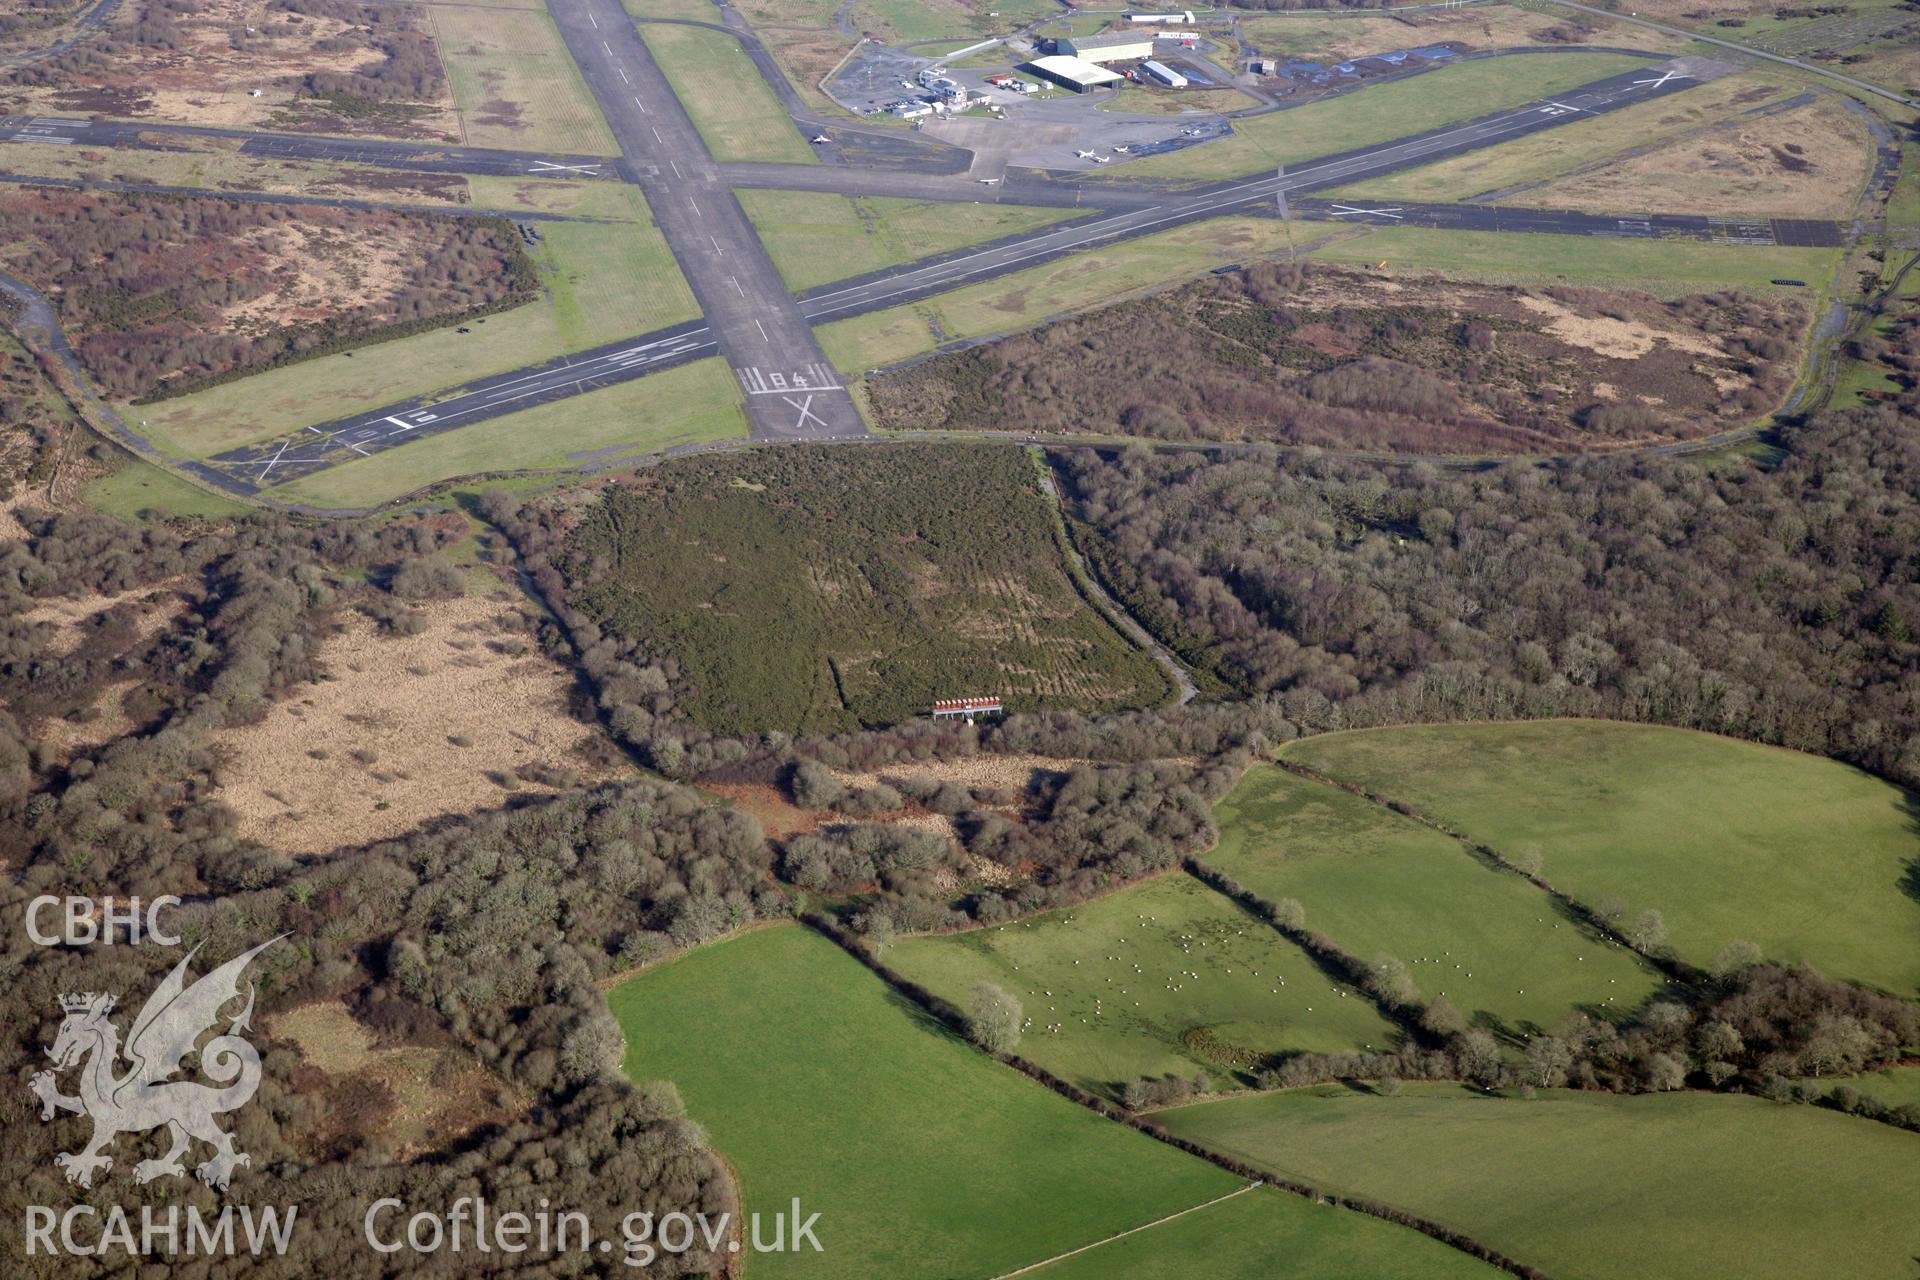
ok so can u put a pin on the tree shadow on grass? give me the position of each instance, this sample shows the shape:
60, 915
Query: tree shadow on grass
1910, 881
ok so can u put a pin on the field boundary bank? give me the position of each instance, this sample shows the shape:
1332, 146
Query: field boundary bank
1671, 967
1095, 593
1121, 1235
941, 1011
1328, 956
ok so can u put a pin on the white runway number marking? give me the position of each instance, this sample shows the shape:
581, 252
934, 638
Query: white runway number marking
756, 381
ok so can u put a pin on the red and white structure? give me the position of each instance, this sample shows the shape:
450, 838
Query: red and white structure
968, 707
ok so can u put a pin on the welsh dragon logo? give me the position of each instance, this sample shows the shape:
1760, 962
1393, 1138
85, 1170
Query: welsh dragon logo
165, 1031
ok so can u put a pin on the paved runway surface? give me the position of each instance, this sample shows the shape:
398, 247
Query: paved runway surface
743, 297
423, 157
790, 389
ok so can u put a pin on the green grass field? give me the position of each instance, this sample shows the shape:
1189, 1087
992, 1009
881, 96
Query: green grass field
1382, 112
1803, 856
515, 84
692, 404
815, 238
730, 104
922, 1156
1115, 976
925, 1158
1904, 209
1593, 1186
1269, 1235
605, 281
1895, 1086
826, 589
140, 490
1540, 156
1494, 945
1025, 298
1665, 268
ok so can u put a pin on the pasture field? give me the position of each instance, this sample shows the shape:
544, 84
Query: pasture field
604, 280
1591, 1186
1812, 860
1541, 156
817, 237
731, 105
1896, 1086
1496, 946
1110, 991
922, 1156
1663, 268
515, 85
821, 589
691, 404
1382, 112
1266, 1234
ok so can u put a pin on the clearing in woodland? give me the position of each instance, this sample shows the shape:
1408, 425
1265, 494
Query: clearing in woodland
463, 713
815, 589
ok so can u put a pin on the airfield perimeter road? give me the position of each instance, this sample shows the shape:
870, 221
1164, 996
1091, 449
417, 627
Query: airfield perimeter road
739, 289
791, 390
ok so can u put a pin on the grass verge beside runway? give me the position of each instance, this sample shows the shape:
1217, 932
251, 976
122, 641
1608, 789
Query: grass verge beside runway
1383, 112
1025, 298
1664, 268
515, 84
604, 281
1095, 277
1591, 1186
692, 404
722, 90
1495, 946
817, 237
140, 490
1810, 859
1108, 986
1539, 156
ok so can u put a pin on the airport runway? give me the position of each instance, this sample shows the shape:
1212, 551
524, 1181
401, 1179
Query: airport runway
425, 157
749, 294
791, 391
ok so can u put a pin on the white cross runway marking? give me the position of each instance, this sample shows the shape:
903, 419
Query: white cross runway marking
1664, 77
271, 461
1341, 211
806, 411
547, 166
